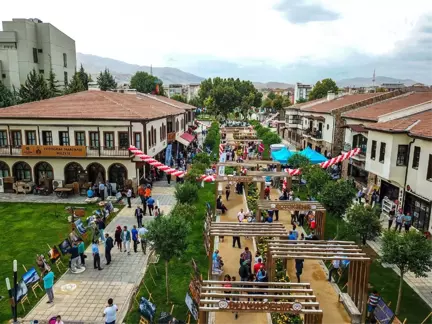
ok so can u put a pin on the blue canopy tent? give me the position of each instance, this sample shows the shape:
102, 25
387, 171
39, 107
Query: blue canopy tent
313, 156
282, 155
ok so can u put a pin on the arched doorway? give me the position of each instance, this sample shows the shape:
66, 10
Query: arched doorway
117, 173
72, 171
43, 171
4, 170
22, 171
96, 173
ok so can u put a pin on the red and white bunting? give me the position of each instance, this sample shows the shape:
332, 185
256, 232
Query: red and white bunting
148, 159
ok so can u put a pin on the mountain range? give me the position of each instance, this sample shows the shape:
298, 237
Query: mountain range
123, 71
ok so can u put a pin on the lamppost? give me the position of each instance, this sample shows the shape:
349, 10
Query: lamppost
9, 288
15, 271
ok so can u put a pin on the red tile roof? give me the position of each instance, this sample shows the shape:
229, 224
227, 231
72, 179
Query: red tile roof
356, 128
328, 106
416, 125
374, 111
188, 137
170, 101
93, 105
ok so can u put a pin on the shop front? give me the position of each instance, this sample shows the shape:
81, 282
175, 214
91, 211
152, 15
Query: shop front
389, 190
357, 172
420, 210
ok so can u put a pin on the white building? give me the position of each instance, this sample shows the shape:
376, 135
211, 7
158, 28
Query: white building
27, 44
301, 91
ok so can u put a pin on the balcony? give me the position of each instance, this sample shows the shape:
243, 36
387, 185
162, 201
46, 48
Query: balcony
64, 151
314, 134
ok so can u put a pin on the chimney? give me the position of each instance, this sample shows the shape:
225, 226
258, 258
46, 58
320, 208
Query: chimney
331, 95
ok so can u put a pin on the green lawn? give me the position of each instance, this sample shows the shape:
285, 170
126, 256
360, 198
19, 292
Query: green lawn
179, 270
27, 229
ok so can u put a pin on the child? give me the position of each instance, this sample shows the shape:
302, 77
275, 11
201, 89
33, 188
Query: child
227, 284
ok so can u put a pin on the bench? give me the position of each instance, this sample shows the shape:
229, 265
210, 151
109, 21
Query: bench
351, 308
63, 192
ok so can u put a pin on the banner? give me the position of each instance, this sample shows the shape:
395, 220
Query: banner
168, 155
53, 150
222, 168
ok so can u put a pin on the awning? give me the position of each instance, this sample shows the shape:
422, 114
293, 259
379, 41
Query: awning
186, 139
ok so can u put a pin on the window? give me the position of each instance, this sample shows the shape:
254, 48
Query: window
177, 128
40, 50
47, 138
22, 171
80, 139
64, 138
65, 76
30, 137
154, 136
35, 55
382, 152
429, 169
170, 126
109, 140
16, 138
402, 155
373, 150
4, 170
64, 60
328, 126
416, 157
123, 140
94, 139
137, 140
360, 141
41, 71
3, 139
160, 133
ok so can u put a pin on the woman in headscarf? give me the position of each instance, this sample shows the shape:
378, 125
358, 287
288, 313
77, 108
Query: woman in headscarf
117, 237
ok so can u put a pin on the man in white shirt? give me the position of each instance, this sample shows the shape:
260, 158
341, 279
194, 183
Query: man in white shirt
110, 312
141, 233
129, 196
240, 215
335, 267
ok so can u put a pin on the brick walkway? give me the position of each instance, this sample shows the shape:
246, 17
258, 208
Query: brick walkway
82, 297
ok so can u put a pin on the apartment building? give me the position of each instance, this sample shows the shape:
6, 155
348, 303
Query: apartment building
301, 91
400, 155
189, 91
86, 136
27, 44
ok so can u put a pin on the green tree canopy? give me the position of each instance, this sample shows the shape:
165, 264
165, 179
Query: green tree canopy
75, 85
84, 77
169, 237
271, 95
364, 221
321, 89
179, 97
409, 252
7, 97
35, 88
276, 101
106, 81
337, 196
316, 178
145, 83
195, 101
53, 85
301, 100
298, 161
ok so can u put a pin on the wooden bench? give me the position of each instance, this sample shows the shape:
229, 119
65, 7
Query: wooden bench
351, 308
63, 192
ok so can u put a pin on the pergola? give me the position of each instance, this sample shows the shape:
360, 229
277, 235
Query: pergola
320, 211
281, 174
235, 129
359, 267
268, 297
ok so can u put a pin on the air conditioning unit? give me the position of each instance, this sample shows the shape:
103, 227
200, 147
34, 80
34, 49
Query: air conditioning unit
57, 184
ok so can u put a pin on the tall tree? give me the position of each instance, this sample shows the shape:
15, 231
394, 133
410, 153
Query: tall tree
169, 237
301, 100
53, 85
337, 196
409, 252
321, 89
195, 101
271, 95
316, 179
146, 83
75, 85
179, 97
106, 81
35, 88
7, 97
364, 221
84, 77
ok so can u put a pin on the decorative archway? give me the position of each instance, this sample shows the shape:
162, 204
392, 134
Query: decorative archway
4, 170
117, 173
72, 171
96, 172
22, 171
43, 171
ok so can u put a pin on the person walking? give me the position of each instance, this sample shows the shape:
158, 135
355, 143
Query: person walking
101, 190
236, 239
81, 250
96, 255
399, 220
110, 312
392, 216
59, 320
299, 268
142, 231
75, 257
139, 215
101, 227
129, 197
126, 238
168, 176
134, 233
141, 194
335, 267
244, 271
246, 255
48, 281
109, 244
150, 204
407, 222
227, 191
117, 237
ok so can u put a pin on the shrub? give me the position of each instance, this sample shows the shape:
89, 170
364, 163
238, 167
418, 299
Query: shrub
337, 196
185, 211
186, 193
202, 158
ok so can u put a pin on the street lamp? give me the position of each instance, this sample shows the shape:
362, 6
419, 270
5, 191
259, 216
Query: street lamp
9, 289
15, 271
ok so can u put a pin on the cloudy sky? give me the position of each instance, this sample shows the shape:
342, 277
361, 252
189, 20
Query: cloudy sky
263, 40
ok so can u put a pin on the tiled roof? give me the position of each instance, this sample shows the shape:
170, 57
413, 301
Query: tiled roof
329, 106
307, 103
170, 101
93, 105
417, 125
374, 111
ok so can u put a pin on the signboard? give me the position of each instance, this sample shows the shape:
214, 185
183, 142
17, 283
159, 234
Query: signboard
193, 308
268, 306
241, 178
222, 168
383, 313
54, 150
292, 206
171, 137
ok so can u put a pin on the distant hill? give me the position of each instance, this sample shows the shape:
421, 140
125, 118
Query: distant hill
123, 71
365, 82
272, 85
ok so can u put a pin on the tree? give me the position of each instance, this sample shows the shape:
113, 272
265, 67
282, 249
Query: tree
267, 103
35, 88
179, 97
195, 101
106, 81
321, 89
53, 86
187, 193
84, 77
316, 178
271, 95
364, 222
301, 100
278, 102
75, 85
6, 97
409, 252
298, 161
337, 196
146, 83
185, 211
169, 237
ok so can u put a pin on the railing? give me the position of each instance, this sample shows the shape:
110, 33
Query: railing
103, 151
316, 135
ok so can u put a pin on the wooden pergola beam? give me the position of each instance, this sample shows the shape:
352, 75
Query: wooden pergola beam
305, 249
268, 173
261, 296
323, 242
239, 178
250, 234
304, 304
268, 290
317, 257
249, 163
217, 309
208, 283
295, 253
290, 205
